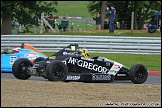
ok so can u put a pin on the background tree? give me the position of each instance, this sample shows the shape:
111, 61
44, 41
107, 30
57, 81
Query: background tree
94, 7
142, 11
23, 11
98, 6
103, 13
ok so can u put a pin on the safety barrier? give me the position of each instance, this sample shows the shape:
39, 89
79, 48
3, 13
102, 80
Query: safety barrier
94, 44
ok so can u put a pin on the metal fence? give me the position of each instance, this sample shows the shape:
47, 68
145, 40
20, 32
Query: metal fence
94, 44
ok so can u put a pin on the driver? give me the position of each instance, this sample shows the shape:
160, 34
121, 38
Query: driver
85, 53
16, 49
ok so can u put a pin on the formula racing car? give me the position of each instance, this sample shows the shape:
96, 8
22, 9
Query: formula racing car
24, 51
74, 64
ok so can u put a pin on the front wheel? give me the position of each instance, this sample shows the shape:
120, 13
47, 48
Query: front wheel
56, 71
20, 68
138, 73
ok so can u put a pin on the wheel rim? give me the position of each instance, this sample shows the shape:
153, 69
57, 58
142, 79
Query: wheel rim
23, 67
140, 73
58, 71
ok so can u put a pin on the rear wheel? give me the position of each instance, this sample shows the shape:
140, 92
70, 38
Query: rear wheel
20, 68
56, 71
138, 74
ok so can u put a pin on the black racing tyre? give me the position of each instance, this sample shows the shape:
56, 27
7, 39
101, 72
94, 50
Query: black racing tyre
38, 59
20, 68
138, 74
56, 71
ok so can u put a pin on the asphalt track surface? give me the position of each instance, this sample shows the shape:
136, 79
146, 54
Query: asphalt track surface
154, 77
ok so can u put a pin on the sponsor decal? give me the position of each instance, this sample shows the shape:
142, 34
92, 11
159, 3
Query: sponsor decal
68, 53
67, 49
89, 59
12, 59
31, 55
115, 68
87, 65
112, 70
75, 77
101, 77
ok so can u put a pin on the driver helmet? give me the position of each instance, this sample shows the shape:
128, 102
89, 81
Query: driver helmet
85, 53
16, 49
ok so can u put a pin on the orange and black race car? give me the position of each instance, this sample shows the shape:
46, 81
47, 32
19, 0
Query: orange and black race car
73, 64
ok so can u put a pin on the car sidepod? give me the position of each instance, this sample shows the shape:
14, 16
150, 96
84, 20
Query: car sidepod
87, 69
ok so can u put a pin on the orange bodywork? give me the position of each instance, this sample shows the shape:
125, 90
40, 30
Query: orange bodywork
32, 48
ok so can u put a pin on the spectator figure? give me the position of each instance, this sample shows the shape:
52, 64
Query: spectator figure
106, 25
115, 25
51, 21
152, 26
64, 25
112, 14
98, 21
123, 26
72, 27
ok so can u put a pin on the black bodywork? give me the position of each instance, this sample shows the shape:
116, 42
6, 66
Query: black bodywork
69, 64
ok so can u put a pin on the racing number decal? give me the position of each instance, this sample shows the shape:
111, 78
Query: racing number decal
12, 59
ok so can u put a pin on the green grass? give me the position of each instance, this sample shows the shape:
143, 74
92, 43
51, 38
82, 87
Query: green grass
135, 33
73, 8
151, 61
